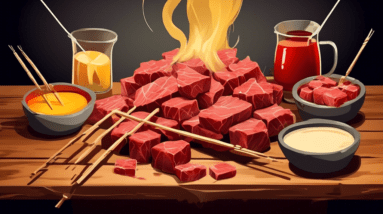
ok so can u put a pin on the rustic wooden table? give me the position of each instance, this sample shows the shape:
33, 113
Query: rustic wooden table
22, 150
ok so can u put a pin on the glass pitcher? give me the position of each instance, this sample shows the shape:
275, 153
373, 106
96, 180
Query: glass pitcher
297, 53
93, 68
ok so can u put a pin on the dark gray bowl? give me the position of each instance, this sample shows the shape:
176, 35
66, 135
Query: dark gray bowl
59, 125
344, 113
319, 162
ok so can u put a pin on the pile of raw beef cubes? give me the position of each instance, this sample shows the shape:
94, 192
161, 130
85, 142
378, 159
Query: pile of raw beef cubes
236, 101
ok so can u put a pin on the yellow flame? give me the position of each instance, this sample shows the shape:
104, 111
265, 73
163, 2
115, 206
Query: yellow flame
209, 22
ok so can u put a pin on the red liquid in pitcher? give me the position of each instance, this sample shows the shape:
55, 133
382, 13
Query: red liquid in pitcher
296, 59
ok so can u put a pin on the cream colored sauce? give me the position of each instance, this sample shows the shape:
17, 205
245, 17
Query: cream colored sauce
319, 139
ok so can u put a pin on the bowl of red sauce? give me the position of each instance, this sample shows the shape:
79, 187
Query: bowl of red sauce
336, 106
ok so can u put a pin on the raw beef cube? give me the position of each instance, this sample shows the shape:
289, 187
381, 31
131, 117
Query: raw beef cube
306, 94
170, 54
251, 134
248, 69
275, 117
118, 132
315, 84
228, 56
195, 64
105, 106
228, 79
318, 95
302, 86
277, 93
190, 172
351, 90
326, 81
125, 167
180, 109
129, 87
226, 112
162, 121
346, 83
141, 143
152, 70
143, 115
169, 154
334, 97
169, 123
152, 95
258, 94
192, 125
192, 83
209, 98
222, 171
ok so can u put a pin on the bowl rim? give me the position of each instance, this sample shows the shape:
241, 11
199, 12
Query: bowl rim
336, 76
90, 92
320, 122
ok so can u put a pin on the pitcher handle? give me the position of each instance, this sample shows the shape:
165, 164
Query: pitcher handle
335, 55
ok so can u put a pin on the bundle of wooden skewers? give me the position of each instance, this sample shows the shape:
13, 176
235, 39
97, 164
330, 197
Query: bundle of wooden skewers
92, 168
48, 88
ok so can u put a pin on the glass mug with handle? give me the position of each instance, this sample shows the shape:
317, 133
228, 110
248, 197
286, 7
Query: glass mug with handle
297, 54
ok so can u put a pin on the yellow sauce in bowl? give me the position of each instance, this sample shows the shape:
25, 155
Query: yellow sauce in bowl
319, 139
73, 102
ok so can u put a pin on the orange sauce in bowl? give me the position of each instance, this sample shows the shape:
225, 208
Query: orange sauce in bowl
73, 102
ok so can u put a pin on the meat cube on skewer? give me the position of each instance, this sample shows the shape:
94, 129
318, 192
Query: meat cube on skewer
192, 125
351, 90
251, 134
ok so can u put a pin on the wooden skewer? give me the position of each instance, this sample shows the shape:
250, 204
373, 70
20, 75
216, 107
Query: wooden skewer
56, 154
112, 147
84, 135
30, 75
342, 79
94, 143
199, 137
41, 76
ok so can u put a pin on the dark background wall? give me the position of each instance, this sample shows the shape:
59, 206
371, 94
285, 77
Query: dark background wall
30, 25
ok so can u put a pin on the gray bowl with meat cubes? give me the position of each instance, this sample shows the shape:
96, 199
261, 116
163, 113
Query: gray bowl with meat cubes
312, 109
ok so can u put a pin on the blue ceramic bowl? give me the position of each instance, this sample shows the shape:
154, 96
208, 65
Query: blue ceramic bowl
59, 125
344, 113
319, 162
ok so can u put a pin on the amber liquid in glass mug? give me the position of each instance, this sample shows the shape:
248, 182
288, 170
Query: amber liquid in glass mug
93, 68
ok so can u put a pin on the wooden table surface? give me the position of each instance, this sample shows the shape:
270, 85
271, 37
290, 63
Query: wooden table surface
22, 150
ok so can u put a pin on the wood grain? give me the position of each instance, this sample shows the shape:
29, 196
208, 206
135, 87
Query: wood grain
22, 150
